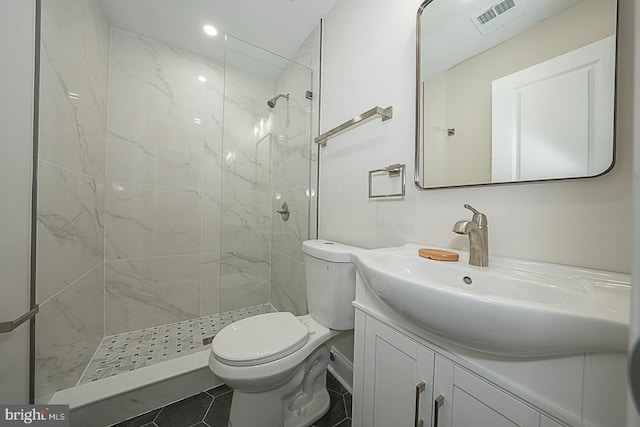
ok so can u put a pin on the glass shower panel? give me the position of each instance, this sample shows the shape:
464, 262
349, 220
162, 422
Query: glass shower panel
265, 163
73, 103
291, 177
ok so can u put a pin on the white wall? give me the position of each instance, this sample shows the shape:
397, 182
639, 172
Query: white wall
17, 37
369, 60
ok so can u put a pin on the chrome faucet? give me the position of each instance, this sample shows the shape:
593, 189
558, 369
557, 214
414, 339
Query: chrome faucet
477, 230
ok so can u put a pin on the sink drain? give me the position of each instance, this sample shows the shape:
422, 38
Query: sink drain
467, 280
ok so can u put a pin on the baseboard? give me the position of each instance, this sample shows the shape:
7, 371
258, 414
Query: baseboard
342, 368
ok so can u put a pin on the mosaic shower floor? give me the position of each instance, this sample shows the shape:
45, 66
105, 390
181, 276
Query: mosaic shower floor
132, 350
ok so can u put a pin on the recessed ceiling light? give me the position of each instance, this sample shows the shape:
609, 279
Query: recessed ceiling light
202, 79
210, 29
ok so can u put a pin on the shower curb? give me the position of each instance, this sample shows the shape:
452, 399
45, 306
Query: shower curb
118, 398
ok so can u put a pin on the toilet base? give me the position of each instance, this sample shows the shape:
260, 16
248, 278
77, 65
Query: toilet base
298, 403
313, 411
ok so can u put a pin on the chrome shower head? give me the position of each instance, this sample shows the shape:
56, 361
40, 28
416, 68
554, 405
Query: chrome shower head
272, 102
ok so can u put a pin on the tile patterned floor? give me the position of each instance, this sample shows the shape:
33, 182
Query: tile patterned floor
211, 409
128, 351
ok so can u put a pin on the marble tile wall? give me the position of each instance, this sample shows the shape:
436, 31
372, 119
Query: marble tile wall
69, 330
211, 201
294, 163
188, 194
71, 191
245, 228
163, 184
144, 292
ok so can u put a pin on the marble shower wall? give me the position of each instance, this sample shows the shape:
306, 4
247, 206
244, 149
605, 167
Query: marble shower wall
188, 208
245, 261
293, 181
162, 224
74, 75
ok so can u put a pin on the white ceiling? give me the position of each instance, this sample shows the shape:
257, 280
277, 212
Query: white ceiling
279, 26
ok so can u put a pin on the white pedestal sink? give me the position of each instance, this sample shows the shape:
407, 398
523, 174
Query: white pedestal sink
511, 308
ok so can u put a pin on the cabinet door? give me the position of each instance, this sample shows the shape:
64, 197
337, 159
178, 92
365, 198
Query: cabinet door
473, 402
443, 393
394, 369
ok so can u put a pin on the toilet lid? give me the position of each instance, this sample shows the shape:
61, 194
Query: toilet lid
259, 339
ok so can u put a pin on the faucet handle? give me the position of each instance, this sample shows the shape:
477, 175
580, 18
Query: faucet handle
478, 217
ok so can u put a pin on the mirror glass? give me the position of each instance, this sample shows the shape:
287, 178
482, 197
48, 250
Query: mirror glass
514, 91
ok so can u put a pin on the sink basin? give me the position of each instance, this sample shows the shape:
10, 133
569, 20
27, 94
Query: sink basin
511, 308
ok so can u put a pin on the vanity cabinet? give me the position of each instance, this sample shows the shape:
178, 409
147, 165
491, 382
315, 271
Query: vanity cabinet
398, 375
471, 402
400, 382
395, 351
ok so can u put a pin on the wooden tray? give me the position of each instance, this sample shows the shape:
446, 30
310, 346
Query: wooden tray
438, 254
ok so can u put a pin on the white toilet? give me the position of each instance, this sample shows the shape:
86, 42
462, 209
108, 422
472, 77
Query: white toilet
276, 362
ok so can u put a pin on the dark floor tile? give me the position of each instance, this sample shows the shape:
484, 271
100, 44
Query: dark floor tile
139, 421
218, 415
211, 409
336, 411
334, 385
348, 402
184, 413
217, 391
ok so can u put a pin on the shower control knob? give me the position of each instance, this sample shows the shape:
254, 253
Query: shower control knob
284, 211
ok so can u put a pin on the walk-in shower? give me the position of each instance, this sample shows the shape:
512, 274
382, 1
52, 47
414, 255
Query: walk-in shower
157, 220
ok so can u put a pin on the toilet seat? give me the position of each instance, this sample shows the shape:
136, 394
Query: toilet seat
259, 339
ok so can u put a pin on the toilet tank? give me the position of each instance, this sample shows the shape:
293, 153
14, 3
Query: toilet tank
331, 283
